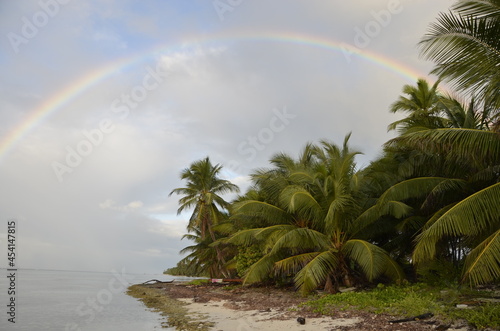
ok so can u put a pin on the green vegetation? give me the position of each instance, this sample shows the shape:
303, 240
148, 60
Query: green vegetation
425, 211
185, 267
199, 282
413, 300
202, 193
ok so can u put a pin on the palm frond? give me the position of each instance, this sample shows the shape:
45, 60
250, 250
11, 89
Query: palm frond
294, 263
479, 8
393, 270
445, 187
260, 270
412, 224
316, 271
243, 237
371, 259
296, 198
470, 217
411, 188
482, 265
264, 210
468, 144
300, 239
467, 49
397, 209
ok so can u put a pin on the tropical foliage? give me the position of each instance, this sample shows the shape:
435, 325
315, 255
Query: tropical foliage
464, 44
429, 205
312, 222
203, 193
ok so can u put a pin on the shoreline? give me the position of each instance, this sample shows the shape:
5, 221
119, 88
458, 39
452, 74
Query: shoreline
220, 307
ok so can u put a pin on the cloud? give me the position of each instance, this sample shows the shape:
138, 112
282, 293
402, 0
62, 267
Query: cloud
130, 207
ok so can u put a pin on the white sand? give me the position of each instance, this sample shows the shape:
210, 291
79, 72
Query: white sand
227, 319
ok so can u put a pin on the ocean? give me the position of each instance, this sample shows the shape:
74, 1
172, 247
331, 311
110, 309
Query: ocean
74, 300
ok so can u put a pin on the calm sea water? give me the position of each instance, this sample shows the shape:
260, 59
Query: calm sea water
67, 300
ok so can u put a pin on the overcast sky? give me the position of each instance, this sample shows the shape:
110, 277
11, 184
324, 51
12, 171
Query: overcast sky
103, 103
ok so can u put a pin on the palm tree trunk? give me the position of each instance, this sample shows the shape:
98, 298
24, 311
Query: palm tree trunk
220, 256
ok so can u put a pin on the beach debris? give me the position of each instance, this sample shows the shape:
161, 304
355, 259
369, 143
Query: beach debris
415, 318
226, 280
156, 281
301, 320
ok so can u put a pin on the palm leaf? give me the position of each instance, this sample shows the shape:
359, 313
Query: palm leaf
294, 263
297, 198
261, 269
470, 217
445, 187
411, 188
316, 271
467, 50
371, 259
243, 237
264, 210
412, 224
394, 208
393, 270
300, 239
482, 265
479, 8
468, 144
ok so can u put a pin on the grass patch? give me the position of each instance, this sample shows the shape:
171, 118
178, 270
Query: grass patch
174, 310
198, 282
415, 299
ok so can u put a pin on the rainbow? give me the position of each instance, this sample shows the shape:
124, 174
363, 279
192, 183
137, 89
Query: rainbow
77, 87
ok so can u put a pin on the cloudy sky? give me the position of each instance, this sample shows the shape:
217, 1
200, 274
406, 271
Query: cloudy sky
103, 103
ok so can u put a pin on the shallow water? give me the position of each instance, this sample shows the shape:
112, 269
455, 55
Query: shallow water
67, 300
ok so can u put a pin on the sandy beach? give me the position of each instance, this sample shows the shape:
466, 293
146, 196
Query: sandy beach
241, 308
226, 318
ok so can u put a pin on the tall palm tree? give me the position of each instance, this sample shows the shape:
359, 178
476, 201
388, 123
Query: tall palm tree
311, 230
465, 45
203, 193
422, 106
427, 108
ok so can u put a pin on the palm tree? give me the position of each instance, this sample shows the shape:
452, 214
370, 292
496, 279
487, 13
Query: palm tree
421, 105
463, 206
427, 109
465, 45
203, 193
468, 115
311, 230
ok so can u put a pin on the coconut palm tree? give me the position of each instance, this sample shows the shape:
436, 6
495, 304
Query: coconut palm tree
465, 45
311, 230
422, 106
427, 108
464, 207
203, 193
469, 114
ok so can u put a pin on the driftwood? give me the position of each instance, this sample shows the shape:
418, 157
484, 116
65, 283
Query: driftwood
156, 281
415, 318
